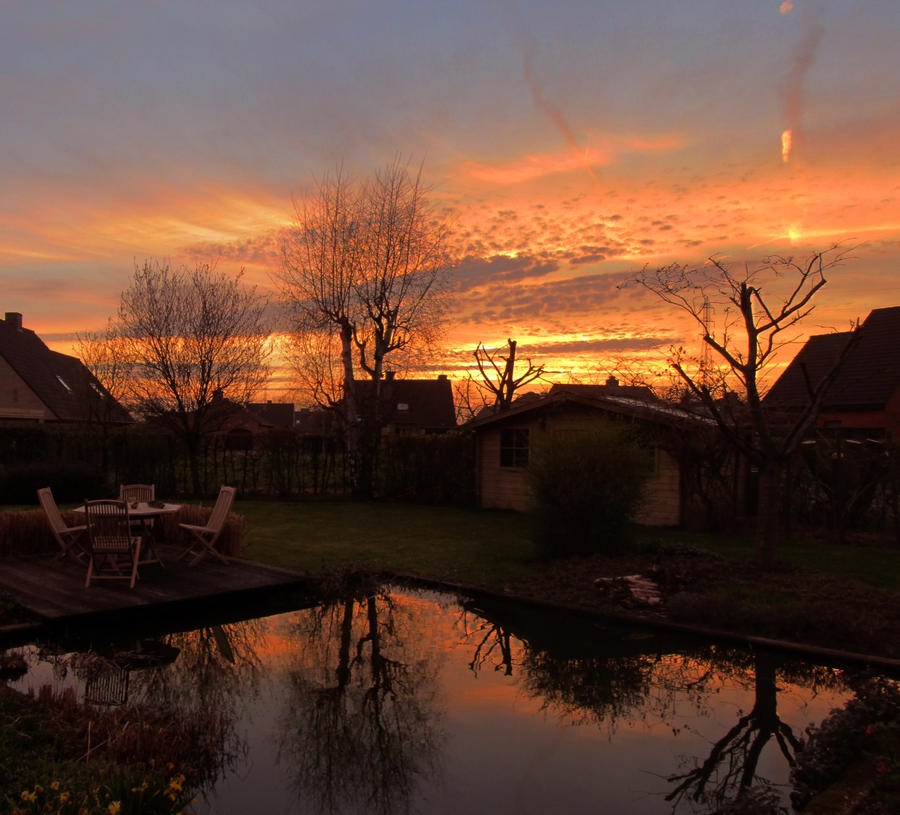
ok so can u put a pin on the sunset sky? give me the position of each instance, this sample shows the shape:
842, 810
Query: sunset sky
571, 143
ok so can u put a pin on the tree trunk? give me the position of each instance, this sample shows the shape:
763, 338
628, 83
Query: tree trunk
768, 512
193, 448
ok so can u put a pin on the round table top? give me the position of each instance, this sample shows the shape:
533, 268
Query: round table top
143, 509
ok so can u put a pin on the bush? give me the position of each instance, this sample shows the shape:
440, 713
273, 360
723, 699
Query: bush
429, 469
71, 481
586, 487
865, 734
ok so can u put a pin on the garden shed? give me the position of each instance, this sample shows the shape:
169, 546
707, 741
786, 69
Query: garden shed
504, 442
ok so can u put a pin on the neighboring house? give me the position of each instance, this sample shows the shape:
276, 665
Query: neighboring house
240, 424
40, 385
505, 442
412, 406
274, 414
864, 399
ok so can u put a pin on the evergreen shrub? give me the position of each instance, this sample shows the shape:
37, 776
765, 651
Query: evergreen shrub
70, 480
585, 488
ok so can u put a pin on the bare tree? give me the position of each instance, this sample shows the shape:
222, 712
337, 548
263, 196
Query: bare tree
755, 307
366, 262
101, 353
190, 336
497, 374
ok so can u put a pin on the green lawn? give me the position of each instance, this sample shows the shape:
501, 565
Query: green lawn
488, 547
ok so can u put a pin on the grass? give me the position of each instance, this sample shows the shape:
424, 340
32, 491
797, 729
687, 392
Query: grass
466, 545
832, 595
823, 593
489, 547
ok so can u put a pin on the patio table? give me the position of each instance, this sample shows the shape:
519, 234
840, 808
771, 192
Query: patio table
144, 512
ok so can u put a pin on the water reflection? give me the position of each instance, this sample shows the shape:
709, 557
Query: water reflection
200, 679
577, 673
361, 725
400, 702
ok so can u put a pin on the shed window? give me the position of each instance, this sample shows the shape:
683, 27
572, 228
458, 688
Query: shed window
514, 447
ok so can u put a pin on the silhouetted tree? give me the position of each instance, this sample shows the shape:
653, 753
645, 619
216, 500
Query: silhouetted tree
366, 263
496, 385
754, 308
189, 336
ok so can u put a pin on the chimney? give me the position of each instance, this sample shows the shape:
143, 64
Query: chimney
14, 320
612, 382
442, 377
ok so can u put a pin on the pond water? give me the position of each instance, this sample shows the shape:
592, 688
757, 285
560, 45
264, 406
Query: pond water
420, 702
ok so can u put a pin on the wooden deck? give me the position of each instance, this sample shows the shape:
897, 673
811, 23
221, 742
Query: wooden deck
54, 590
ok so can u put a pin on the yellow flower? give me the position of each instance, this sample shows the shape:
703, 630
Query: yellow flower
114, 808
54, 786
64, 796
28, 796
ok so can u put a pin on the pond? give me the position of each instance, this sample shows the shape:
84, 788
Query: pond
405, 701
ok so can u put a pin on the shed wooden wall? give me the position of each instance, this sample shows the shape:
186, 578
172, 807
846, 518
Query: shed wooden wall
507, 487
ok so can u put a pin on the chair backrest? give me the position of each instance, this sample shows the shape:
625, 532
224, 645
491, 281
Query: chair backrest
220, 511
137, 492
51, 510
108, 524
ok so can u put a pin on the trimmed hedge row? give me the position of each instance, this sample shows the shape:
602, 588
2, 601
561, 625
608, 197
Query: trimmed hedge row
26, 533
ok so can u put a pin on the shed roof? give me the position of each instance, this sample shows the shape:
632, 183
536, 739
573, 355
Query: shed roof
656, 411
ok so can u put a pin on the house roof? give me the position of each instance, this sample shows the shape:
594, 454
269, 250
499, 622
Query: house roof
276, 414
611, 388
869, 374
423, 403
61, 382
655, 410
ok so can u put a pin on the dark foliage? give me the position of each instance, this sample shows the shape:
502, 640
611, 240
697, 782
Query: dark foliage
864, 734
432, 469
586, 487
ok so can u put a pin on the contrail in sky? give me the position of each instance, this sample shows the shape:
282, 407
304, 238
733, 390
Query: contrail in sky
796, 78
551, 111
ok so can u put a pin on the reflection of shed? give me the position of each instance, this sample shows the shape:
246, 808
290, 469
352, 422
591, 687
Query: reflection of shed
506, 440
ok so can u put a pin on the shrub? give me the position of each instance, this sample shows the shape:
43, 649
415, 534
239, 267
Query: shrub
865, 733
71, 481
429, 469
585, 488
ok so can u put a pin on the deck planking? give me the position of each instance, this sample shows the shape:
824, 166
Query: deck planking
54, 590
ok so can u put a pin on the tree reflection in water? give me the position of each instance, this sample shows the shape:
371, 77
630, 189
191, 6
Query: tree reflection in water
216, 667
361, 725
217, 670
583, 676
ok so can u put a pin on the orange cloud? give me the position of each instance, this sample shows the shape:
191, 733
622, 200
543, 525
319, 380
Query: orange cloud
538, 165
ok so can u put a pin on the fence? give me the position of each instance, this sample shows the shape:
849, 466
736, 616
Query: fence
85, 462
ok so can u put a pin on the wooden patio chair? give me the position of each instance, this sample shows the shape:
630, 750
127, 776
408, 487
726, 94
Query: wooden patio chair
144, 493
69, 538
202, 539
113, 551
